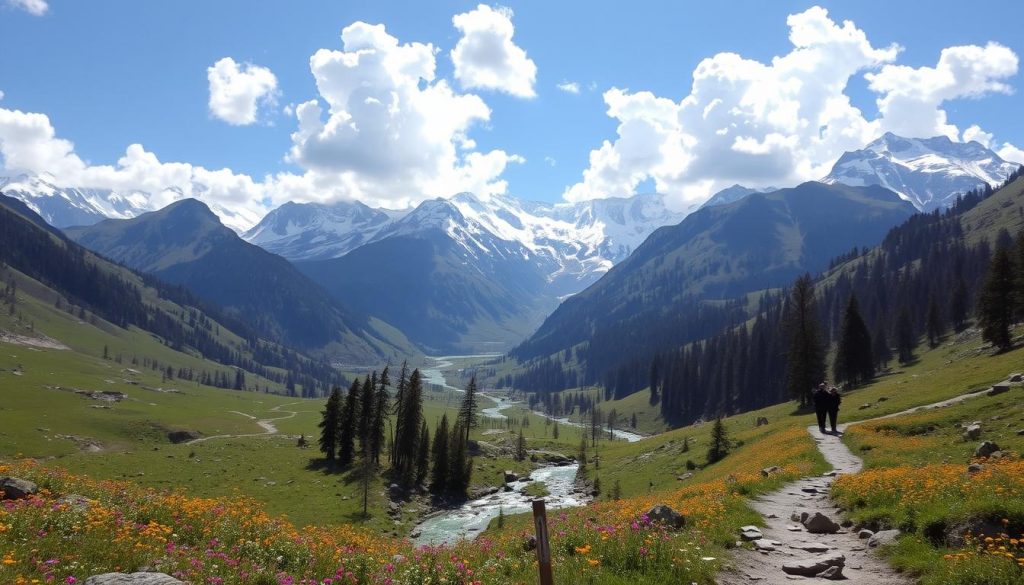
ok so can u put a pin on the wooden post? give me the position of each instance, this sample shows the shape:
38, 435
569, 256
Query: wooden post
540, 524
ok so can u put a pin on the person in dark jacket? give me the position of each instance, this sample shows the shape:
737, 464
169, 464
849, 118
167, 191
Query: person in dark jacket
833, 407
822, 401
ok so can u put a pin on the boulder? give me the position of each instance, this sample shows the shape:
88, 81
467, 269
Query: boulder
812, 567
764, 545
997, 389
133, 579
975, 467
865, 534
833, 572
667, 516
511, 476
799, 516
769, 471
1016, 378
15, 488
750, 533
978, 528
182, 436
812, 547
985, 449
819, 523
883, 538
973, 432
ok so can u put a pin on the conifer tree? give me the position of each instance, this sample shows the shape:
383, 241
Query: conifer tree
805, 356
329, 424
349, 426
720, 444
995, 306
958, 304
399, 411
460, 465
423, 454
407, 431
1018, 266
906, 341
365, 420
935, 326
880, 347
520, 446
439, 472
467, 418
854, 362
381, 408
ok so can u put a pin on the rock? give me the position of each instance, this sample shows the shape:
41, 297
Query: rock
833, 572
177, 437
667, 516
883, 538
865, 533
819, 523
1017, 378
769, 471
997, 389
75, 502
133, 579
812, 547
511, 476
684, 476
530, 543
985, 449
15, 488
864, 406
761, 421
764, 545
799, 516
814, 566
749, 533
972, 432
975, 467
883, 398
979, 528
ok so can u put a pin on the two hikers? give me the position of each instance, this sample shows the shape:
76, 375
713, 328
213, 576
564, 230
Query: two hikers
826, 404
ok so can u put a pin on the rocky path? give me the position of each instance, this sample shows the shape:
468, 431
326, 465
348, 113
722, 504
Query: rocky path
267, 424
787, 550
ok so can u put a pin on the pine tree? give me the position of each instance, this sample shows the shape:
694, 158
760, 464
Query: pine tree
720, 444
935, 326
632, 422
654, 379
805, 358
520, 446
854, 362
349, 425
381, 408
880, 347
995, 307
423, 454
906, 341
439, 472
958, 305
1018, 265
329, 424
403, 382
467, 418
365, 420
407, 431
460, 465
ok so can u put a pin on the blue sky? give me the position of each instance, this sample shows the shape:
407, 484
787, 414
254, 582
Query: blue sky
113, 73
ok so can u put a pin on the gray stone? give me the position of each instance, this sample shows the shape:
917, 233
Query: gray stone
769, 471
819, 523
865, 406
978, 528
1017, 378
667, 516
985, 449
133, 579
15, 488
814, 566
812, 547
833, 572
511, 476
764, 545
975, 467
883, 538
972, 432
750, 533
799, 516
684, 476
865, 533
997, 389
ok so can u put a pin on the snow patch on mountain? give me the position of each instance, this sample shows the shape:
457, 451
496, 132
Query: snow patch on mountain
928, 172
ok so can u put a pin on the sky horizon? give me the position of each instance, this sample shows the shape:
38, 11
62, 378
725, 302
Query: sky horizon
251, 104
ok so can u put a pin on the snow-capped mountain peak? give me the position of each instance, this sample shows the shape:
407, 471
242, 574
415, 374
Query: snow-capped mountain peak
928, 172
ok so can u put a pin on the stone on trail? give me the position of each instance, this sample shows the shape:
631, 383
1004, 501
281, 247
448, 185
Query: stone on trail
750, 533
865, 533
799, 516
814, 566
883, 538
972, 432
820, 524
811, 547
834, 572
667, 516
1017, 378
765, 545
133, 579
997, 389
15, 488
985, 449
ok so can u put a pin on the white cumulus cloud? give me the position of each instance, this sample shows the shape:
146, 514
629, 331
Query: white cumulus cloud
238, 90
33, 7
784, 121
391, 133
487, 58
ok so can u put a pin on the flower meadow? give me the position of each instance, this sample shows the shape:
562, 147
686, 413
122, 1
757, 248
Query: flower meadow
933, 502
117, 526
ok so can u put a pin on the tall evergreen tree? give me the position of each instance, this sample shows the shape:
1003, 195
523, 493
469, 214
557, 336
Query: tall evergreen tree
381, 409
439, 452
805, 355
403, 384
935, 326
854, 362
423, 454
366, 396
906, 340
959, 304
460, 465
995, 306
1018, 266
467, 418
720, 443
880, 347
407, 431
349, 425
520, 446
329, 424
